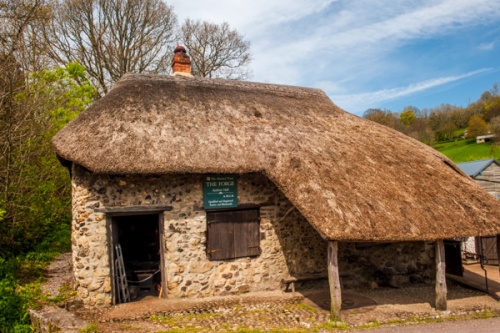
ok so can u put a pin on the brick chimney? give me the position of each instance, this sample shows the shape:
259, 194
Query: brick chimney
181, 63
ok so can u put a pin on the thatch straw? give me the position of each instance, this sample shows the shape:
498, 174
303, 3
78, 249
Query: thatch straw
351, 178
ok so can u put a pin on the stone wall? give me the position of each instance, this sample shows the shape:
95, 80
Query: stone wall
381, 264
289, 244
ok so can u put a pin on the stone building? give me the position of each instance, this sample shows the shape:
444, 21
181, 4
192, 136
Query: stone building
215, 187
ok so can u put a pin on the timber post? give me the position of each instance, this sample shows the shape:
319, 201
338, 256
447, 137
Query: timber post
334, 281
498, 251
441, 289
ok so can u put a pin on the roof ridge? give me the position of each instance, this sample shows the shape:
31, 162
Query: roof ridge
197, 81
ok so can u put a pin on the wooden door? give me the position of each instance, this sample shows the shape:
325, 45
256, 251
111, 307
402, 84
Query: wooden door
247, 233
489, 247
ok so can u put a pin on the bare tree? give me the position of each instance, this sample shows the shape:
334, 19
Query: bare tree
20, 22
216, 50
113, 37
17, 21
20, 122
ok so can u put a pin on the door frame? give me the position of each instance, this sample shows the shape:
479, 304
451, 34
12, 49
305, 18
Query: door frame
112, 237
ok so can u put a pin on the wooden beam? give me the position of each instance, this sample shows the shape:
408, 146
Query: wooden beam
133, 210
163, 286
441, 290
334, 281
498, 251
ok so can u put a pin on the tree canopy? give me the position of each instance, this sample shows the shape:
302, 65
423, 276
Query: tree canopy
476, 127
58, 56
112, 37
407, 117
445, 121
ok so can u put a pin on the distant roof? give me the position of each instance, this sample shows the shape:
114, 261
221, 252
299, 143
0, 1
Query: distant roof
487, 136
474, 168
352, 179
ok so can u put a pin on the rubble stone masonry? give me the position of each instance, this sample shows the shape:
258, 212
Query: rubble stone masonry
289, 244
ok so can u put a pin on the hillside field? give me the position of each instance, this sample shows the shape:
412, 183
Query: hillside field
467, 150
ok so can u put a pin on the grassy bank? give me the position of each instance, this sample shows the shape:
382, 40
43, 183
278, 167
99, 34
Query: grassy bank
467, 150
20, 280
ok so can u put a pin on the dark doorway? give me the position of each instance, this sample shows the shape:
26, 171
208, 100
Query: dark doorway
139, 238
453, 257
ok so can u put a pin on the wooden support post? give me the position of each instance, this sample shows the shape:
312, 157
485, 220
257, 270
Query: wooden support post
441, 290
498, 251
334, 281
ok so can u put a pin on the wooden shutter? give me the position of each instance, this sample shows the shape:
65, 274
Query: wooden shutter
220, 236
246, 233
233, 234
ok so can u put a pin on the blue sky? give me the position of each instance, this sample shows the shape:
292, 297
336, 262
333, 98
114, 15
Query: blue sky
365, 53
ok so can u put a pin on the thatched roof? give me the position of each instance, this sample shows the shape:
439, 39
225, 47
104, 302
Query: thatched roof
351, 178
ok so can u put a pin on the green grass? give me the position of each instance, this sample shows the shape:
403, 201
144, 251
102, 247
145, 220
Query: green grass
20, 282
91, 328
467, 150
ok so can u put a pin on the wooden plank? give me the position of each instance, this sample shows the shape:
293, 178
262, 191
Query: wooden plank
305, 277
441, 289
163, 287
112, 240
498, 251
246, 233
334, 281
220, 235
129, 210
490, 252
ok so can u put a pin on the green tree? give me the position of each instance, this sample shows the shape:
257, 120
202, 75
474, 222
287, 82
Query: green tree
446, 131
495, 129
476, 126
36, 195
407, 117
384, 117
492, 108
421, 131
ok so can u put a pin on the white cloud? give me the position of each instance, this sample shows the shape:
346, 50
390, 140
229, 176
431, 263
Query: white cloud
248, 16
360, 102
355, 35
486, 46
347, 45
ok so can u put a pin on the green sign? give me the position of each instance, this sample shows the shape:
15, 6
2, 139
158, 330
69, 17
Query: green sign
219, 191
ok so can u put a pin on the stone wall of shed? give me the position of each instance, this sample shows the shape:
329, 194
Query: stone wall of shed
381, 264
289, 244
